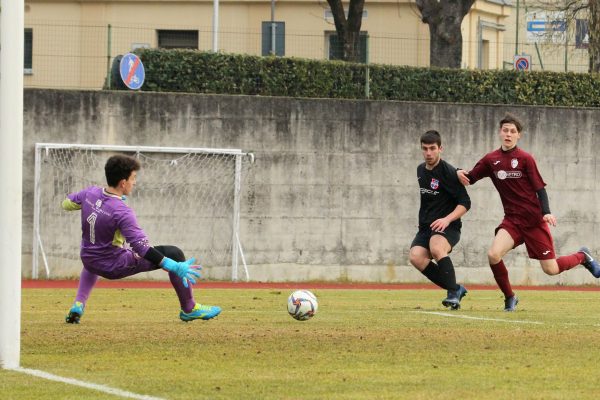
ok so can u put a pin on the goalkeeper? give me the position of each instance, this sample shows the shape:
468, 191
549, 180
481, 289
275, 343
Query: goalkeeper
113, 245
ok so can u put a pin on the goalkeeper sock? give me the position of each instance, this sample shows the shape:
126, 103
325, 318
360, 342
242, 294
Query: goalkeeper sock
184, 294
87, 281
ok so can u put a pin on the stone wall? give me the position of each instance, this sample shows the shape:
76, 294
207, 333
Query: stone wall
333, 193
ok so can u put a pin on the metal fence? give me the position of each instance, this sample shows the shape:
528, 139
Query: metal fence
62, 55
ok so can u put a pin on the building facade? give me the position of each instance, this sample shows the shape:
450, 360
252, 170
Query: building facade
71, 43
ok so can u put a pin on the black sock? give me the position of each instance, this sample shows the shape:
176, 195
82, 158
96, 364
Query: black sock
447, 273
433, 273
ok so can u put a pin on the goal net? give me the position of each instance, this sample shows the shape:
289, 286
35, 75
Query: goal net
188, 197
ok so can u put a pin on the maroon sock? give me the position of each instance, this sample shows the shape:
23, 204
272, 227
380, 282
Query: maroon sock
501, 276
565, 263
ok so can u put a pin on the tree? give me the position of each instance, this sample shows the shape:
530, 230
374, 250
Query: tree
445, 37
348, 29
594, 35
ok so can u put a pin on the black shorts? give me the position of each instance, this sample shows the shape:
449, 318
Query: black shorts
451, 234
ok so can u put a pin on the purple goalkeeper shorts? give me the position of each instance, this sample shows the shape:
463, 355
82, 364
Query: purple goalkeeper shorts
124, 263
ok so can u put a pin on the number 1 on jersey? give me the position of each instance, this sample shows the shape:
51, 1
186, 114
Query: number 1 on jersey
91, 219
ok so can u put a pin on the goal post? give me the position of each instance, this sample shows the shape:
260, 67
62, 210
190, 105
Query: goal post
188, 197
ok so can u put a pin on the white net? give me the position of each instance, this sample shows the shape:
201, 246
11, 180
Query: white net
183, 197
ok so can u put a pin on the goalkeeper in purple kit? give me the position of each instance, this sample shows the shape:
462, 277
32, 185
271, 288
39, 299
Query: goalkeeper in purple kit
113, 245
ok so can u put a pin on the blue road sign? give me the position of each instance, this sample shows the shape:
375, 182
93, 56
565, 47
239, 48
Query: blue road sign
522, 63
132, 71
545, 26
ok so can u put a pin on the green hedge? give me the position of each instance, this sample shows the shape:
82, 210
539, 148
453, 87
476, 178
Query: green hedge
207, 72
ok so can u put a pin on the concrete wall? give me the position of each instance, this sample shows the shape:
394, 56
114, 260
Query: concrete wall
333, 194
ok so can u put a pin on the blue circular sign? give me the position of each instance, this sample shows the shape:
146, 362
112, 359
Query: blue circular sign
522, 64
132, 71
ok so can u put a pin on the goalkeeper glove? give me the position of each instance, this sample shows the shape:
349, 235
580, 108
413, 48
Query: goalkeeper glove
184, 269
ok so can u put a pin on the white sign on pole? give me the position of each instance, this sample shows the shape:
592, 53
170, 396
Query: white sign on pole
546, 26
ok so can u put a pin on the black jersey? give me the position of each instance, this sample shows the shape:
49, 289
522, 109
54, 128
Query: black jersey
441, 192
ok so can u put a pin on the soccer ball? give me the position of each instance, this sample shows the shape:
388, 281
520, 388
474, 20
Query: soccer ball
302, 305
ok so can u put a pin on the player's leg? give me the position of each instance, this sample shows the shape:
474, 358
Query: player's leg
127, 263
87, 281
190, 310
440, 248
590, 263
503, 242
440, 245
565, 263
420, 258
540, 246
184, 294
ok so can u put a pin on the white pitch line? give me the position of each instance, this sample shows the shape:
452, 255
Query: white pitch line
514, 321
93, 386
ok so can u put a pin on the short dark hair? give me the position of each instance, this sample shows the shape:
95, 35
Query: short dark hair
431, 137
511, 119
120, 167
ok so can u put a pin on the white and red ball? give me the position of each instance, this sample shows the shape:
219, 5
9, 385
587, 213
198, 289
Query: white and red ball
302, 305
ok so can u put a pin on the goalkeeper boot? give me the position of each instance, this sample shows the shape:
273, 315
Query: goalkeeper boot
589, 263
454, 297
510, 303
200, 312
75, 313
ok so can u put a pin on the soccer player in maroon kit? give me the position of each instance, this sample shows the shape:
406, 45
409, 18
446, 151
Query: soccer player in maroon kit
527, 214
443, 202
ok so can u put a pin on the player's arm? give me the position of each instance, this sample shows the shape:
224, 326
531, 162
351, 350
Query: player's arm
137, 239
537, 182
479, 171
440, 225
458, 191
73, 201
186, 270
70, 205
545, 205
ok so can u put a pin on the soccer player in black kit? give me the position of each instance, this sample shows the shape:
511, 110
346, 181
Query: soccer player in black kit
444, 200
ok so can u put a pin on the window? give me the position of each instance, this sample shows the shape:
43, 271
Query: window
267, 39
485, 54
176, 39
336, 51
28, 62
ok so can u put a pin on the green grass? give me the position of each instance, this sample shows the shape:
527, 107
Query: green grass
362, 344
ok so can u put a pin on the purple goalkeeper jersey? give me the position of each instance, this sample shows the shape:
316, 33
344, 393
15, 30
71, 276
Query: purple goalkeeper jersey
107, 224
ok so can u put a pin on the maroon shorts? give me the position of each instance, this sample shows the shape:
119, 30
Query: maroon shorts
537, 239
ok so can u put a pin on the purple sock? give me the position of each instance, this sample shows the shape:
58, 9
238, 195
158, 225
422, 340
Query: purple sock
86, 284
185, 295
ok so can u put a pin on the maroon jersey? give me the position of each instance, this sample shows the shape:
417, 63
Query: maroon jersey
515, 175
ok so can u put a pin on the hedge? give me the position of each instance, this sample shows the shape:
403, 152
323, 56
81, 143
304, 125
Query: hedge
207, 72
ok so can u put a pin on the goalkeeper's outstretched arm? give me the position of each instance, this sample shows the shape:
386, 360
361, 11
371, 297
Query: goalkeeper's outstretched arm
186, 270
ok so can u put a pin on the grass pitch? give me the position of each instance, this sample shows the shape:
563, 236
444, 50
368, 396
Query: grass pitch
362, 344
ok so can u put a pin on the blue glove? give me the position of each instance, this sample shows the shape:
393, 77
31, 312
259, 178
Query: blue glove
185, 269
